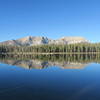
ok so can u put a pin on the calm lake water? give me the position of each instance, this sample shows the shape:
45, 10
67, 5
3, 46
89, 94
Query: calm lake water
35, 79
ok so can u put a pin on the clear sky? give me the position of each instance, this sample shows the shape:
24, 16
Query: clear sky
50, 18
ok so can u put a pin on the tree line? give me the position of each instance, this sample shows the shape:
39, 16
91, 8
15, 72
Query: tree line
69, 48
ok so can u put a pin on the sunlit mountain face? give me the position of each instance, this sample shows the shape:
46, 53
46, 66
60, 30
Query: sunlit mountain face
31, 40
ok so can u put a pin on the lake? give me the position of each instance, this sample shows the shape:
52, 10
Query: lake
50, 77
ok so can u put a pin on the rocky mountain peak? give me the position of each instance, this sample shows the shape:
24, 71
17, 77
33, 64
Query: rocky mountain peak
39, 40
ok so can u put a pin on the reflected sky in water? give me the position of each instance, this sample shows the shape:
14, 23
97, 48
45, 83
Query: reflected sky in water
51, 83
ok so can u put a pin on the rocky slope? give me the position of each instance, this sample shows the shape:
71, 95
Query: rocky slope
30, 40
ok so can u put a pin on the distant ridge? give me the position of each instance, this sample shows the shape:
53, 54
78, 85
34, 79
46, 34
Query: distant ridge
31, 40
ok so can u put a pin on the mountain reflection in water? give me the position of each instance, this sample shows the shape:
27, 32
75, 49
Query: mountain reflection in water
51, 82
29, 64
45, 61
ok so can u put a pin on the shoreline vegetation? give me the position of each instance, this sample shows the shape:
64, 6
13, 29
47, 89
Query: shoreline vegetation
81, 48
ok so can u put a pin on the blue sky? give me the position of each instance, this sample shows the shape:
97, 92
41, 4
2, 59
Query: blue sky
50, 18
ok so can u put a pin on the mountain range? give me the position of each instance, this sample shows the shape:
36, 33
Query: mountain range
31, 40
